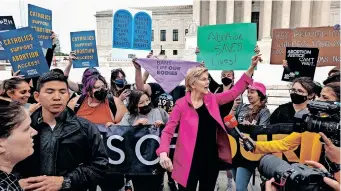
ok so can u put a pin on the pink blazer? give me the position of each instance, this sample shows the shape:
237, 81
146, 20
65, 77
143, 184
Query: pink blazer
186, 115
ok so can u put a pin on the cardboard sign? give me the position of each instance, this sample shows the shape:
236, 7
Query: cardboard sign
6, 24
227, 46
40, 19
301, 63
326, 39
24, 52
83, 43
132, 32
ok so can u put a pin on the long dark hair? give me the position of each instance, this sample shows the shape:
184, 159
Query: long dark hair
335, 86
10, 85
114, 75
90, 82
134, 99
253, 113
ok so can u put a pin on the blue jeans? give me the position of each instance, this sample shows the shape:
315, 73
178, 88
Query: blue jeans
242, 177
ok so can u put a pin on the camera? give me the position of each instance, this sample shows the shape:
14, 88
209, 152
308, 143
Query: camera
322, 117
294, 177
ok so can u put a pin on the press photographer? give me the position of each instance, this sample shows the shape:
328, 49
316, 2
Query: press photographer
296, 176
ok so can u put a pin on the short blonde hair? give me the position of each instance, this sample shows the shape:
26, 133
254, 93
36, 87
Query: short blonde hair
193, 74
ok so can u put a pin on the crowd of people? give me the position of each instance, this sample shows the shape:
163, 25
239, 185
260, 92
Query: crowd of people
49, 139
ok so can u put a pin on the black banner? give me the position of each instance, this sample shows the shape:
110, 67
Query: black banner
131, 149
301, 63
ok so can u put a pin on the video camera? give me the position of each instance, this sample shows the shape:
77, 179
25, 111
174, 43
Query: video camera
322, 117
294, 177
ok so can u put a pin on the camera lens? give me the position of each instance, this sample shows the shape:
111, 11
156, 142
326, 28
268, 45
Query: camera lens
271, 165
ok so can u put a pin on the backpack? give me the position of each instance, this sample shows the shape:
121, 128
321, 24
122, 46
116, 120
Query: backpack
112, 104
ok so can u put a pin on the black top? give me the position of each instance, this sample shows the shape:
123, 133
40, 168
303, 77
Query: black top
157, 91
206, 149
283, 114
9, 182
214, 87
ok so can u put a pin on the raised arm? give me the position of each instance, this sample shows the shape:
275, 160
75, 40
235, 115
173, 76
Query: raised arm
277, 146
121, 110
139, 81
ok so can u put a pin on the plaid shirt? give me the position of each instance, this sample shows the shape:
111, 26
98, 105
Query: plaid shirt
9, 182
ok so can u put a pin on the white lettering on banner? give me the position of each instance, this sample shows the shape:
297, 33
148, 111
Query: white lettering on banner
138, 151
119, 151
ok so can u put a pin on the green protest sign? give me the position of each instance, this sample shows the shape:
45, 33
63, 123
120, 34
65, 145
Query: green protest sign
227, 46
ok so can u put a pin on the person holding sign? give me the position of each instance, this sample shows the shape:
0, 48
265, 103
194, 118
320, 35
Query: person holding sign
202, 139
141, 112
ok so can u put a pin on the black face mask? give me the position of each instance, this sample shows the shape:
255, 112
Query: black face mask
101, 94
226, 81
298, 99
145, 109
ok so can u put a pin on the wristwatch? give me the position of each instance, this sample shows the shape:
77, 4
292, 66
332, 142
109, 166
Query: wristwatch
334, 167
66, 183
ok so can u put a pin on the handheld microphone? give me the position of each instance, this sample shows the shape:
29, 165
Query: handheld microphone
232, 123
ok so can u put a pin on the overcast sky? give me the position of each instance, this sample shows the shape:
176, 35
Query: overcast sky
74, 15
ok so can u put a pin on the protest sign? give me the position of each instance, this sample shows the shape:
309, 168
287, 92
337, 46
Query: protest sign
6, 24
301, 63
40, 19
83, 43
132, 31
227, 46
168, 73
24, 52
132, 150
326, 39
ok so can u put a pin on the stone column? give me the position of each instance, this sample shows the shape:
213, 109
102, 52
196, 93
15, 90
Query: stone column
286, 9
229, 11
196, 11
246, 11
265, 19
213, 12
305, 13
320, 14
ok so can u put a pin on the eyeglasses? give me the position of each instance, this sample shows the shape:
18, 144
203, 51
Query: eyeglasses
299, 92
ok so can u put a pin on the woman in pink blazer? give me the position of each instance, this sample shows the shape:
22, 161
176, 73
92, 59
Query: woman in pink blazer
202, 139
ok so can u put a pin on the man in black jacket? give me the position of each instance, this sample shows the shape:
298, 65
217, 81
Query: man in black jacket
68, 151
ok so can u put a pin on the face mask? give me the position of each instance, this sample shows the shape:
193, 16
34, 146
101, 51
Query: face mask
226, 81
101, 94
120, 83
298, 99
145, 109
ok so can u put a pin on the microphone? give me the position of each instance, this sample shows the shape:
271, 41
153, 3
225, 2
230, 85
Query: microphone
231, 122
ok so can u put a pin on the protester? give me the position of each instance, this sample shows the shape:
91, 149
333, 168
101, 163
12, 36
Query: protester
119, 86
301, 92
331, 92
141, 112
294, 139
255, 113
17, 89
95, 105
69, 152
200, 147
16, 140
76, 87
